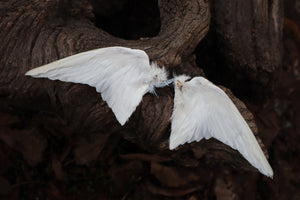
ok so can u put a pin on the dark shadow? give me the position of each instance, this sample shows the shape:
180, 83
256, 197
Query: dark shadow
129, 19
209, 57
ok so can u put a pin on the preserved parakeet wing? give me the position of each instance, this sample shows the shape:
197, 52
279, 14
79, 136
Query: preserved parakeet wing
122, 76
203, 110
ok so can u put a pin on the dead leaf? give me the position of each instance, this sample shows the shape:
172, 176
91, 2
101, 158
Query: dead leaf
6, 119
224, 191
145, 157
29, 142
125, 176
172, 192
57, 168
173, 176
87, 150
5, 187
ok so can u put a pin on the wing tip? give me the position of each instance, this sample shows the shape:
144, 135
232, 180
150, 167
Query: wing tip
33, 72
173, 144
122, 122
29, 73
267, 171
122, 119
269, 174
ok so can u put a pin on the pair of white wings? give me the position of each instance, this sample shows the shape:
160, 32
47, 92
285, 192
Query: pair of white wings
123, 75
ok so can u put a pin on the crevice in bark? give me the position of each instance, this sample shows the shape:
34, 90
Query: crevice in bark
248, 36
82, 132
130, 19
216, 69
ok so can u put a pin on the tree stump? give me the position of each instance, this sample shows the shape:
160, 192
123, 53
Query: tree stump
65, 141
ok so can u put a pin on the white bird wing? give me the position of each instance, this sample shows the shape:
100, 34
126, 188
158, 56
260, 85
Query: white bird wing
122, 76
202, 110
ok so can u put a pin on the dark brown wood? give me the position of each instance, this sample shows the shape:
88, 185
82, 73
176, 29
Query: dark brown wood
74, 118
250, 35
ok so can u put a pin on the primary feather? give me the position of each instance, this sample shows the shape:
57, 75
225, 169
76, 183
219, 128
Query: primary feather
202, 110
122, 76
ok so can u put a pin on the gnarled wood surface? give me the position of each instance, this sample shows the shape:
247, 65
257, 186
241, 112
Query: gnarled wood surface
67, 126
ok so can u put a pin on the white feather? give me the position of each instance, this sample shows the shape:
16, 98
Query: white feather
202, 110
122, 76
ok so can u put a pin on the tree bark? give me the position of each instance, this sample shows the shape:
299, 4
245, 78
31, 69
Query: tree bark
250, 35
34, 33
